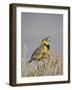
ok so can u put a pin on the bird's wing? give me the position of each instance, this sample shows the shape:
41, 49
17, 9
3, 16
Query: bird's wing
37, 51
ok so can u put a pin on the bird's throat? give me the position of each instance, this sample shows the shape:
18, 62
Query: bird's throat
48, 46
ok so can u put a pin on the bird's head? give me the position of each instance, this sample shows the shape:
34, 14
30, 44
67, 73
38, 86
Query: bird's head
45, 41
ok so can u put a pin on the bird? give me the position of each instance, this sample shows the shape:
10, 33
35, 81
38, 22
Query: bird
41, 52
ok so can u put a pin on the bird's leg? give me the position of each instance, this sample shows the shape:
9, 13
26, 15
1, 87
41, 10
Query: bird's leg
49, 57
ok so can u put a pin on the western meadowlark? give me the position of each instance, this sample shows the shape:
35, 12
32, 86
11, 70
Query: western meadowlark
42, 51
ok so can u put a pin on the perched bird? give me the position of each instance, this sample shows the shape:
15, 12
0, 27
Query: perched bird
41, 52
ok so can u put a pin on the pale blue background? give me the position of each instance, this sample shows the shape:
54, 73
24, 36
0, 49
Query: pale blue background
36, 26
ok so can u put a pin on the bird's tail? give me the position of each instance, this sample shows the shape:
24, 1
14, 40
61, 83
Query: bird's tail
30, 60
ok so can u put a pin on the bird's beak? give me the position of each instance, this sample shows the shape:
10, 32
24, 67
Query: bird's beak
47, 37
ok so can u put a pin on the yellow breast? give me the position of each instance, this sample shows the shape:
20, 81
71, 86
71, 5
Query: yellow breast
45, 49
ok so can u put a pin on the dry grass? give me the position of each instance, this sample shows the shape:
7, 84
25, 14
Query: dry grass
45, 67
